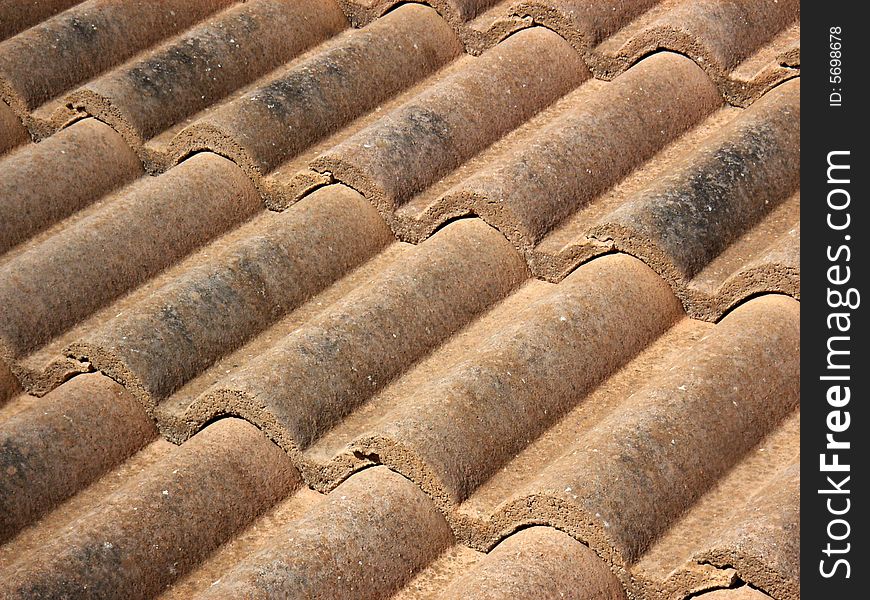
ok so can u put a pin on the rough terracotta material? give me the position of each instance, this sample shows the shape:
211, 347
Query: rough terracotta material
365, 541
532, 187
471, 419
737, 272
762, 540
716, 213
162, 522
335, 362
538, 563
584, 23
672, 440
40, 184
770, 65
431, 581
197, 69
764, 259
408, 150
742, 593
12, 132
507, 330
8, 384
16, 16
456, 12
73, 46
680, 223
324, 91
277, 262
491, 26
717, 34
48, 287
73, 436
559, 186
671, 567
267, 529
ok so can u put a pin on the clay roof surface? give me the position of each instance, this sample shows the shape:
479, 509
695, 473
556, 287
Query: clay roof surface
371, 299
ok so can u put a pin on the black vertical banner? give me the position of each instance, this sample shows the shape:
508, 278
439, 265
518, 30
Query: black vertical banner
834, 260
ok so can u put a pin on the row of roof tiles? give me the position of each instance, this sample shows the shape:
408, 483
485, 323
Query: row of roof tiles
744, 47
152, 69
648, 434
203, 305
375, 536
721, 226
669, 518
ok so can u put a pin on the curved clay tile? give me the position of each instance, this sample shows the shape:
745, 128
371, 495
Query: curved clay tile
468, 421
674, 565
408, 150
52, 284
277, 262
534, 564
596, 140
156, 90
584, 23
315, 96
54, 56
683, 221
761, 541
16, 16
627, 479
717, 34
334, 363
362, 12
161, 522
41, 184
365, 540
57, 447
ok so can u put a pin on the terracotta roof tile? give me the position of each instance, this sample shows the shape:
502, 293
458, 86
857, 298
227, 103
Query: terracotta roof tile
738, 175
161, 522
75, 167
135, 235
430, 582
43, 62
199, 67
276, 263
322, 91
747, 48
12, 132
740, 217
54, 450
367, 338
585, 23
762, 540
718, 35
530, 187
270, 529
18, 16
409, 149
454, 11
483, 298
671, 426
674, 565
538, 562
365, 540
452, 434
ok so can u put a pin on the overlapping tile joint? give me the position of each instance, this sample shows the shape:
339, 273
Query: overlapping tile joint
371, 299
